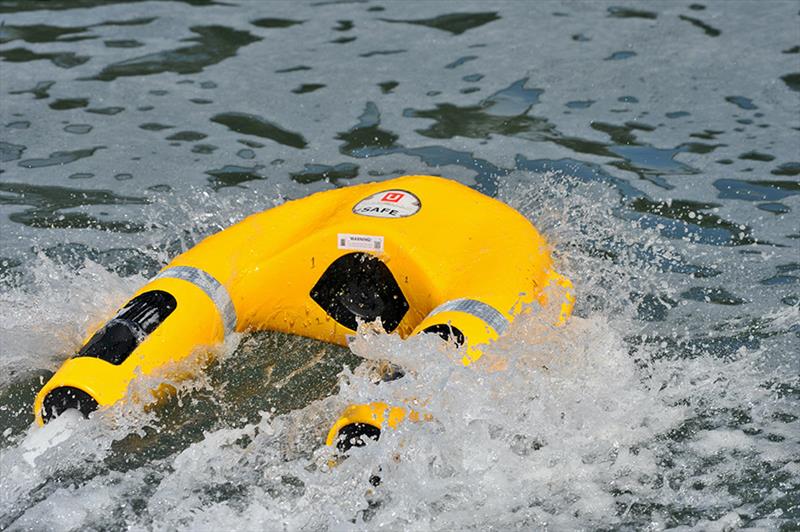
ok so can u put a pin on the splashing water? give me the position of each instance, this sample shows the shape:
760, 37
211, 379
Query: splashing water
603, 423
654, 146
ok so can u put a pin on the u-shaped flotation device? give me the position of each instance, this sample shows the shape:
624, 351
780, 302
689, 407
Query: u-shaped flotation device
422, 253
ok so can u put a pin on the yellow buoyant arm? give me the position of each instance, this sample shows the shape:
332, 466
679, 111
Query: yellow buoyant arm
193, 326
374, 414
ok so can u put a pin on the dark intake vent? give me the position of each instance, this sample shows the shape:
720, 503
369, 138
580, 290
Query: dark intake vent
356, 435
359, 285
446, 332
120, 336
61, 399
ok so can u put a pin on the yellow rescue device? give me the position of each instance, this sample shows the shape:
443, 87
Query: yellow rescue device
422, 254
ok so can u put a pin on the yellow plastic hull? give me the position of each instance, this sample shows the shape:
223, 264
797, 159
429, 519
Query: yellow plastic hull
460, 259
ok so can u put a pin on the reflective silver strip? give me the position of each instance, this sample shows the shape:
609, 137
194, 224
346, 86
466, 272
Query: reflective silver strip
480, 310
213, 289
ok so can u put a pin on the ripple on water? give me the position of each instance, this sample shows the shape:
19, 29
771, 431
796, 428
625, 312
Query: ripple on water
36, 33
707, 134
298, 68
108, 111
780, 279
45, 33
39, 91
343, 25
388, 86
741, 102
718, 296
787, 169
455, 23
250, 124
125, 262
757, 156
774, 208
308, 87
213, 45
51, 207
792, 81
321, 172
677, 114
651, 163
366, 138
275, 22
696, 22
123, 43
188, 136
11, 152
685, 219
627, 12
233, 175
59, 59
383, 52
78, 129
587, 172
756, 190
502, 113
154, 126
460, 61
66, 104
250, 143
204, 149
60, 158
622, 54
579, 104
506, 113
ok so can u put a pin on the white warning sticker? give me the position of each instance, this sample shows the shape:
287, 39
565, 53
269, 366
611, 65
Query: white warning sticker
389, 204
360, 242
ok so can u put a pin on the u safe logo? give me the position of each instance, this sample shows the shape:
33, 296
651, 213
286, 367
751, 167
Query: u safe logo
389, 204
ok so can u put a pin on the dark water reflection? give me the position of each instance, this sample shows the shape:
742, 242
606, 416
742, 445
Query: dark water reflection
455, 23
260, 127
59, 158
61, 60
50, 203
213, 44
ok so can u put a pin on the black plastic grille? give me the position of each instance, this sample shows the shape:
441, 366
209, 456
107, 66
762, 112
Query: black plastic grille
359, 285
356, 435
119, 337
63, 398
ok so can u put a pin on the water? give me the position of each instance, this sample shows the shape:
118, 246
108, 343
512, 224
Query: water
655, 144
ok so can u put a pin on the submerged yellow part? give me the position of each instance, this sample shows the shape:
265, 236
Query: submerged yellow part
462, 262
375, 414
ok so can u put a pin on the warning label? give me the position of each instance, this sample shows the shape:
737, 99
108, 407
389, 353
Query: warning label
360, 242
389, 204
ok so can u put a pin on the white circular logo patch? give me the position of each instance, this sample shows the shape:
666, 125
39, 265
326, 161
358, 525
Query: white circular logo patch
389, 204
